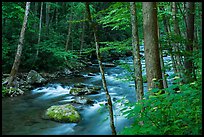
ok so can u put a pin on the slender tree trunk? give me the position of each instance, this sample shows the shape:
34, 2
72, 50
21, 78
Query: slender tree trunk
167, 30
56, 15
47, 16
162, 62
16, 63
188, 63
177, 45
94, 26
72, 43
82, 35
39, 32
69, 32
40, 24
136, 53
36, 12
152, 61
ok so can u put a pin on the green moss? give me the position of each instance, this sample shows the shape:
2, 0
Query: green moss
63, 113
76, 91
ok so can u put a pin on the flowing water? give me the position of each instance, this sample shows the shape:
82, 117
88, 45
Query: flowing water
23, 114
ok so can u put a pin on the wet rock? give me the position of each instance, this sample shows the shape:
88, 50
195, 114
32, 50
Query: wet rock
93, 90
78, 91
81, 90
80, 85
82, 100
11, 92
67, 71
91, 74
63, 113
34, 78
108, 64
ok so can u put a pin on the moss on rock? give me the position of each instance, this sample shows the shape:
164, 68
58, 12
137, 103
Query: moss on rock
63, 113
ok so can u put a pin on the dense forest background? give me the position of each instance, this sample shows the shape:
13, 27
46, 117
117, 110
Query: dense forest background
59, 35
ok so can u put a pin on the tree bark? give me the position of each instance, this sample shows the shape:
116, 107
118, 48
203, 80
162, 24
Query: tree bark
152, 61
177, 45
56, 15
165, 84
136, 54
47, 16
69, 32
82, 35
16, 63
167, 30
94, 26
36, 12
188, 63
39, 32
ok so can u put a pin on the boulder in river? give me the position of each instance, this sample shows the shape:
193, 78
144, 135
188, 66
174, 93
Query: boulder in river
81, 90
78, 91
79, 85
63, 113
82, 100
34, 78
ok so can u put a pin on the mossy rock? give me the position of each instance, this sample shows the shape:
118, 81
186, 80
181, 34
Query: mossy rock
79, 85
85, 90
78, 91
63, 113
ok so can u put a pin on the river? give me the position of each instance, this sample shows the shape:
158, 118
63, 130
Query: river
22, 115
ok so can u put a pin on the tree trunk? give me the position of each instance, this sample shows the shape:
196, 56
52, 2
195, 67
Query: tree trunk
69, 33
162, 62
136, 54
94, 26
39, 32
188, 63
152, 61
36, 12
167, 30
47, 16
82, 35
16, 63
40, 24
177, 45
56, 15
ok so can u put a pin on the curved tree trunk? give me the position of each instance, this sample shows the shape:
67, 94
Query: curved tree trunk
94, 26
16, 63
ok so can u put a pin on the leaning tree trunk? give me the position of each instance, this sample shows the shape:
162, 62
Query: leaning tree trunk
16, 63
152, 60
94, 26
136, 54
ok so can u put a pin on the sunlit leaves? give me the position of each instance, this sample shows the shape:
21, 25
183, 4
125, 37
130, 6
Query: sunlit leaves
117, 16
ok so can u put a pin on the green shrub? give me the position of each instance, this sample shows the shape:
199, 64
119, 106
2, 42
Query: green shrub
172, 113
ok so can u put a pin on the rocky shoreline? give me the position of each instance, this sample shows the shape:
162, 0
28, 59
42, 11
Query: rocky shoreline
33, 79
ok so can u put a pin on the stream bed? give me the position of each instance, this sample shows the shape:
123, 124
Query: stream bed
22, 115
